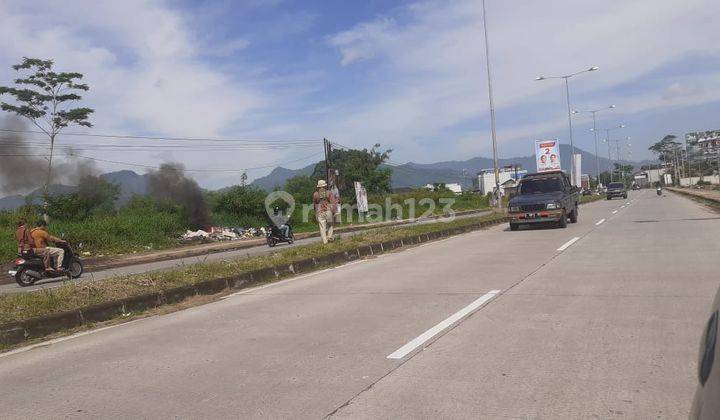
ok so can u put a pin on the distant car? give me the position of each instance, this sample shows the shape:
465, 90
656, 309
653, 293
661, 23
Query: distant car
544, 197
706, 404
616, 189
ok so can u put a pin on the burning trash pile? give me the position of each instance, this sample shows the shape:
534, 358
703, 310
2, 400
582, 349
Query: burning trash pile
218, 234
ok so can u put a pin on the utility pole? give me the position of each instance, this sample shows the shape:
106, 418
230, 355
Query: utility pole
717, 148
326, 147
492, 112
607, 140
597, 158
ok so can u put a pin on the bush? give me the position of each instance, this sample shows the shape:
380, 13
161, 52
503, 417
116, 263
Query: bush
95, 196
238, 205
301, 187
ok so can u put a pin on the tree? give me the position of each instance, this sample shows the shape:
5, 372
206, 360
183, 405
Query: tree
358, 165
301, 187
94, 196
622, 170
239, 201
666, 148
42, 98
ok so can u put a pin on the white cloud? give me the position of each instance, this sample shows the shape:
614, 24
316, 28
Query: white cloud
143, 67
429, 73
412, 79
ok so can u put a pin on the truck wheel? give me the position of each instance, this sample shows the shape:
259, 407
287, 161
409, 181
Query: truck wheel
563, 222
514, 226
574, 215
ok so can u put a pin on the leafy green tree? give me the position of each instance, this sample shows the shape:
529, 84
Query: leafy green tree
605, 177
42, 97
95, 196
239, 201
301, 187
666, 148
358, 165
622, 171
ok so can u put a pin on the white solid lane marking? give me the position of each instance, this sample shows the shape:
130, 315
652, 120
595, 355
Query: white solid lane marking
442, 326
614, 211
568, 243
600, 222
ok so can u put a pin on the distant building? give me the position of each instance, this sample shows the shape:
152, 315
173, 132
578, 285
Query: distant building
509, 187
648, 177
456, 188
486, 178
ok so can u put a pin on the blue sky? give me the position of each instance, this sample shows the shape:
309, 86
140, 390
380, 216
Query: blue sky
407, 74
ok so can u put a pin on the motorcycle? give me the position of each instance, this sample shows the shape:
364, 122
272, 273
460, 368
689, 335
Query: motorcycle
659, 191
29, 268
274, 235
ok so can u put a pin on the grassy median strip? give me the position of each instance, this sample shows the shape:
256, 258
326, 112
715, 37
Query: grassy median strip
71, 296
590, 198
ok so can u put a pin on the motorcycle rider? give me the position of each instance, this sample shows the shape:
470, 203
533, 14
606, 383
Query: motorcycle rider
26, 244
41, 237
278, 220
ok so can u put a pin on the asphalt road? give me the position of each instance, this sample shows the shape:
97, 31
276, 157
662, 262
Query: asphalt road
489, 324
179, 262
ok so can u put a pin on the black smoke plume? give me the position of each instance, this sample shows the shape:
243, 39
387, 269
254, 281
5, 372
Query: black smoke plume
169, 184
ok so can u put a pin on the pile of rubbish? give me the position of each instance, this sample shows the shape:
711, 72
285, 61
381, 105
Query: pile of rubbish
217, 234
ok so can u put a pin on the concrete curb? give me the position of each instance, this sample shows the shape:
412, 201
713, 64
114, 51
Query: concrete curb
187, 251
17, 332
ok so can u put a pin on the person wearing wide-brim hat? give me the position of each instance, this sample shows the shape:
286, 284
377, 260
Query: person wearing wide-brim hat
325, 207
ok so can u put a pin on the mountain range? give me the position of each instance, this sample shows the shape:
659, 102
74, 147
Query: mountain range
407, 175
454, 171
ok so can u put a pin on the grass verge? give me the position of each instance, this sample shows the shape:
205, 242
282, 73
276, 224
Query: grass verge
711, 204
590, 198
24, 306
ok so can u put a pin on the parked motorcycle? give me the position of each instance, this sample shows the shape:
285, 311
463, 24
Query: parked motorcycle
274, 236
29, 269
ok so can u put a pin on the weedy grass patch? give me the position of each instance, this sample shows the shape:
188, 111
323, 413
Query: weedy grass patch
75, 295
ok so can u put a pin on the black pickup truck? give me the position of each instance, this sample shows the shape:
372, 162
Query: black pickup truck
544, 197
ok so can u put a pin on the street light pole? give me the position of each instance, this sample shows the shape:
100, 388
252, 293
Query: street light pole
607, 140
567, 97
594, 129
492, 111
573, 181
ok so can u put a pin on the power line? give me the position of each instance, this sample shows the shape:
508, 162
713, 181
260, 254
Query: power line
206, 139
143, 148
138, 165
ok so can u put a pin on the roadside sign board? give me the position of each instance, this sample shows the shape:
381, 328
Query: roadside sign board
547, 155
361, 197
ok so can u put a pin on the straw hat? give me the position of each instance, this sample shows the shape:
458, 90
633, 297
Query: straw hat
321, 183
